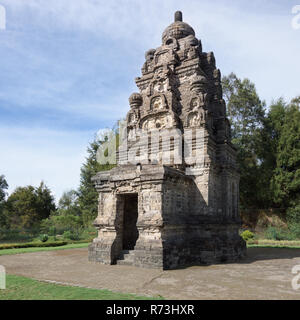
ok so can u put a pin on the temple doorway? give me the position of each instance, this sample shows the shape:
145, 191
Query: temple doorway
130, 216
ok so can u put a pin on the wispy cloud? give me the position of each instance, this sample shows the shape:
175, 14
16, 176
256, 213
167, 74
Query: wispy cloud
69, 66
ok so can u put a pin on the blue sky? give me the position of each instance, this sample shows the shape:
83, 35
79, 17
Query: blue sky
67, 68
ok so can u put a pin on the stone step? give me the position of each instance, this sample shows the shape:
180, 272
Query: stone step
124, 263
126, 257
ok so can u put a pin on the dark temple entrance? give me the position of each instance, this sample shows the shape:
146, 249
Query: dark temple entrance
130, 231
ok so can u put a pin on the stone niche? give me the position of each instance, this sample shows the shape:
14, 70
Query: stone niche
168, 215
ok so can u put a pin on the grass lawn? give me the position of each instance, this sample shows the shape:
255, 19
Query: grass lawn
272, 246
21, 288
36, 249
264, 243
259, 244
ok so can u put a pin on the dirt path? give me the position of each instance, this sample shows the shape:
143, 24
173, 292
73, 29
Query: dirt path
264, 274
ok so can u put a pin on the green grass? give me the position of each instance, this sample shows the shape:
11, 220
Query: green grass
266, 243
37, 249
21, 288
33, 244
271, 246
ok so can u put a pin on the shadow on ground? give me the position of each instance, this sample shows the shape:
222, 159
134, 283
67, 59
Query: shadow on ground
254, 255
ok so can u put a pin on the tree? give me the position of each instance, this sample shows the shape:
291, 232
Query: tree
267, 149
68, 204
245, 110
27, 206
286, 179
246, 113
3, 187
87, 194
67, 217
44, 201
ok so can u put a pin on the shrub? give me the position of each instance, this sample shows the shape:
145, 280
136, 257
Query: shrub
67, 234
295, 229
247, 235
273, 233
52, 231
293, 215
18, 234
71, 235
44, 237
59, 224
88, 233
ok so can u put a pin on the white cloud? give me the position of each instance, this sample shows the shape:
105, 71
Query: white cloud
255, 41
31, 155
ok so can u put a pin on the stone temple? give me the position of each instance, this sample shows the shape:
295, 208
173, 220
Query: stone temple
162, 211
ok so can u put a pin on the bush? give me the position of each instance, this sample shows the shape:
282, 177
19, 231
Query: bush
52, 231
59, 224
273, 233
293, 215
18, 234
295, 229
88, 233
44, 237
71, 235
247, 235
293, 218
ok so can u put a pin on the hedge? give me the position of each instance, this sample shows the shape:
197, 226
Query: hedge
32, 245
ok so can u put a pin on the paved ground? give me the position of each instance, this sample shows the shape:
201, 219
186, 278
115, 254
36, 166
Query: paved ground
264, 274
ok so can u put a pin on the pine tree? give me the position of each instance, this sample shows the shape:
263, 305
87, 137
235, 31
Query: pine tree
44, 201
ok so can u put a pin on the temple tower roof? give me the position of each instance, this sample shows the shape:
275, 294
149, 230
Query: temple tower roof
178, 29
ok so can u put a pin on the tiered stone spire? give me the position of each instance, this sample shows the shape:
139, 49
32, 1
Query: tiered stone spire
180, 87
